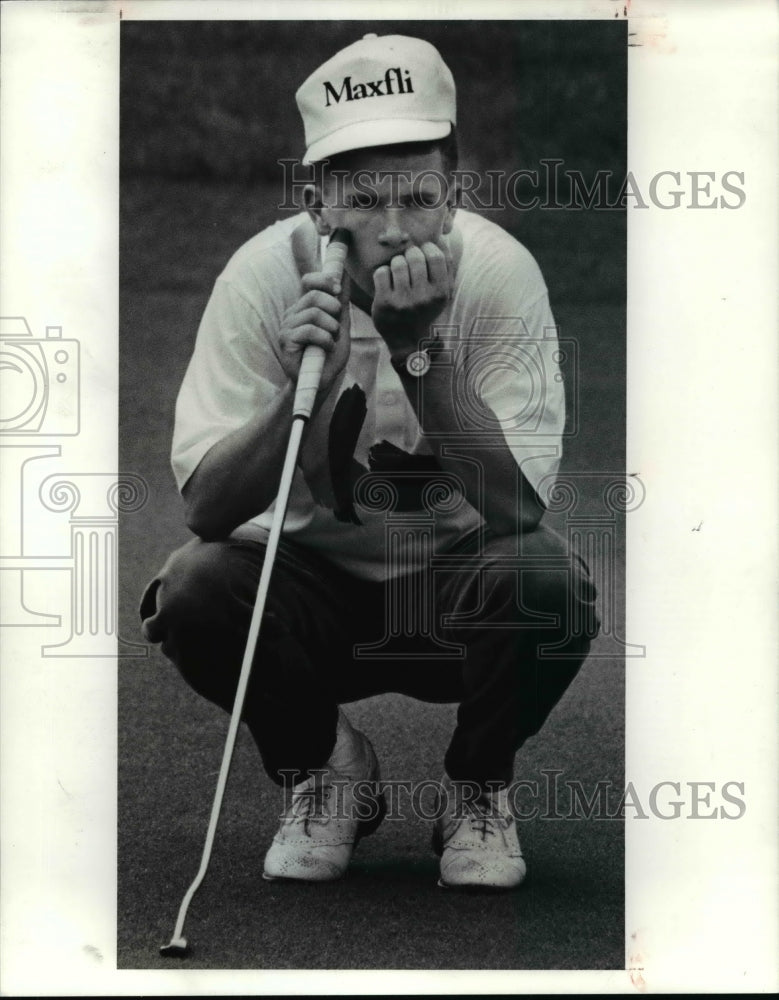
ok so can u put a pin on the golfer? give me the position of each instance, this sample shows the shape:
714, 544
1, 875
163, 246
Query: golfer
414, 556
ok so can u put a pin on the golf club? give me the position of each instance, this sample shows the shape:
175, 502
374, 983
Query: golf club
305, 395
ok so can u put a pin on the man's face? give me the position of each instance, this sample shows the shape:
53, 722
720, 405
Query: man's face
387, 203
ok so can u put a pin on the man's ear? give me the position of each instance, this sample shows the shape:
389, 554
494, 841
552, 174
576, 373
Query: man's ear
312, 199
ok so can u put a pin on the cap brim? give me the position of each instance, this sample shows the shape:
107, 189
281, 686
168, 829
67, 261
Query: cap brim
365, 135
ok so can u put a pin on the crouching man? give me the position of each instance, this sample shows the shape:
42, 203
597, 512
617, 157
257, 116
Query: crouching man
440, 396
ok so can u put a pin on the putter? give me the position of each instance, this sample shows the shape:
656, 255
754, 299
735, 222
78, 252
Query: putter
305, 395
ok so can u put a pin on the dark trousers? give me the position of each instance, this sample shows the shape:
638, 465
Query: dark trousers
507, 627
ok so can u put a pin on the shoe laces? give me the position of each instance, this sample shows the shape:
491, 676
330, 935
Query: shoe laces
484, 816
309, 802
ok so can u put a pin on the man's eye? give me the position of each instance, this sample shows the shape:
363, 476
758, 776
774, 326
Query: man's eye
362, 201
425, 199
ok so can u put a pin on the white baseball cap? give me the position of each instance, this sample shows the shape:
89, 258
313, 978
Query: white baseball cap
376, 92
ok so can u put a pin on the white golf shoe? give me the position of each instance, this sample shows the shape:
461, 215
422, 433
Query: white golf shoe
329, 813
476, 838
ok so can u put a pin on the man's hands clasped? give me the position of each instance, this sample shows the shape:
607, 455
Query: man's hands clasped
409, 293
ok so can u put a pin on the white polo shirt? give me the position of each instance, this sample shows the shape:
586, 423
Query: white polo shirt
500, 338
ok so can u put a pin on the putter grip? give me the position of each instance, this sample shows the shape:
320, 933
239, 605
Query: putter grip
314, 357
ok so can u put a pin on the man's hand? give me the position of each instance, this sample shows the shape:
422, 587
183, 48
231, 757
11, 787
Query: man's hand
409, 293
321, 317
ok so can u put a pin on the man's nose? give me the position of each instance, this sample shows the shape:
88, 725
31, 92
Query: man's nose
393, 234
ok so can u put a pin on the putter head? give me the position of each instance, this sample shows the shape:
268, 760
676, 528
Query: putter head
177, 948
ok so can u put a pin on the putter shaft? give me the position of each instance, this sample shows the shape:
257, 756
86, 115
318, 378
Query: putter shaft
305, 394
178, 943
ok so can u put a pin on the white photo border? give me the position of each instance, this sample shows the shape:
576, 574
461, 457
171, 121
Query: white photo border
701, 909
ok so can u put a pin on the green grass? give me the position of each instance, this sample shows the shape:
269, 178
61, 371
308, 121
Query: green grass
205, 114
388, 913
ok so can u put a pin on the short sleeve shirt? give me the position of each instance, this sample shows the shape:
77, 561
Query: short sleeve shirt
366, 465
